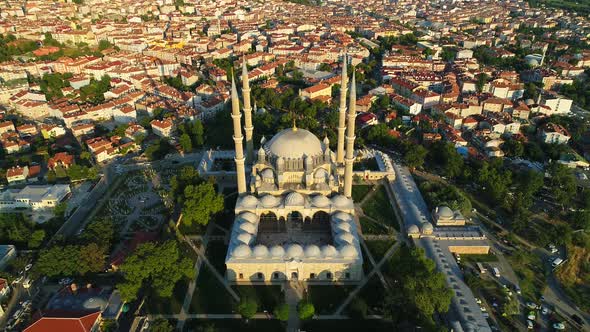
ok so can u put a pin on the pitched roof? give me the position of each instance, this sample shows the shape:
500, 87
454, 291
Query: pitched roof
64, 322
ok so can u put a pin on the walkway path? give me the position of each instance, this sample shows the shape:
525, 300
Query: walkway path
367, 277
293, 294
373, 263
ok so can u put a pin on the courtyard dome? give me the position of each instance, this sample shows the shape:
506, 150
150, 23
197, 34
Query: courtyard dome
245, 238
294, 251
329, 251
340, 201
248, 228
320, 201
427, 228
345, 238
95, 303
294, 198
249, 201
260, 251
312, 251
343, 227
294, 143
249, 217
341, 216
241, 251
348, 251
277, 252
269, 201
444, 212
413, 229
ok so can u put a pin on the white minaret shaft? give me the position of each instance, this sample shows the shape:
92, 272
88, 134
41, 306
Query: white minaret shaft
248, 127
239, 159
350, 139
342, 113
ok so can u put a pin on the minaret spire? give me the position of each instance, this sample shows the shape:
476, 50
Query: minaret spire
239, 159
342, 112
248, 127
350, 138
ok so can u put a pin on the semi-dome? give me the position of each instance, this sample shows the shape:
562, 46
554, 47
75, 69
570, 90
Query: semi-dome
320, 201
294, 143
277, 251
241, 251
340, 201
444, 212
294, 198
260, 251
94, 303
294, 251
248, 228
249, 217
269, 201
312, 251
249, 201
348, 251
345, 238
329, 251
413, 229
245, 238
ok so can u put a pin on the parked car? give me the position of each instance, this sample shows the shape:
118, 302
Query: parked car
556, 262
559, 326
531, 305
529, 324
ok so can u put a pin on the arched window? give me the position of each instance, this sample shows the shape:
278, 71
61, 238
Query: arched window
320, 222
269, 223
260, 275
241, 276
329, 276
312, 276
295, 217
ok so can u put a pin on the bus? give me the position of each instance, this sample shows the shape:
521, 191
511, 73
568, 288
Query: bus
482, 269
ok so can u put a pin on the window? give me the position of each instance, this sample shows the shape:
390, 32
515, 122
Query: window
241, 276
260, 275
312, 276
275, 275
346, 275
328, 275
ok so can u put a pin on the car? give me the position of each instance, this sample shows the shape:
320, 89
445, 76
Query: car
28, 267
530, 325
559, 326
517, 289
482, 309
577, 319
531, 305
531, 315
477, 300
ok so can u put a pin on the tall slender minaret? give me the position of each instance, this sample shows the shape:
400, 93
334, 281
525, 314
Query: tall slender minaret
239, 159
342, 113
248, 127
350, 138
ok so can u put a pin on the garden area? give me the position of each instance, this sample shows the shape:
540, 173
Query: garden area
230, 325
327, 299
359, 191
379, 208
155, 304
529, 268
378, 248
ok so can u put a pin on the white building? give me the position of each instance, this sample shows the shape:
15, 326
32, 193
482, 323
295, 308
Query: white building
35, 197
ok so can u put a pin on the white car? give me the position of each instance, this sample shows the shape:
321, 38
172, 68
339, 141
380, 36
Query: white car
530, 325
559, 326
531, 316
531, 305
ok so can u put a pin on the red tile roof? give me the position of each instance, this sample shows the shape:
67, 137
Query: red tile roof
64, 322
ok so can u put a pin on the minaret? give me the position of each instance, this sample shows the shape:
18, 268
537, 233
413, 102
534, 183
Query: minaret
248, 127
342, 113
350, 139
239, 159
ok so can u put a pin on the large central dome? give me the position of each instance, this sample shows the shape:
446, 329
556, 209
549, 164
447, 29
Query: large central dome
294, 143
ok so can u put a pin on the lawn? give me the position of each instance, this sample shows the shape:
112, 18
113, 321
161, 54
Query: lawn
216, 252
378, 248
359, 191
348, 325
370, 227
210, 296
267, 297
326, 299
373, 294
230, 325
478, 258
379, 208
172, 305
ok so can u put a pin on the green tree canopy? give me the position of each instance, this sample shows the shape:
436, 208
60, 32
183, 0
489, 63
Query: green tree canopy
305, 309
247, 307
200, 203
281, 312
36, 239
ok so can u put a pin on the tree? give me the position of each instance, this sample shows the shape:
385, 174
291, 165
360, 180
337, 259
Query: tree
445, 156
185, 143
200, 203
36, 239
305, 309
562, 183
101, 232
481, 80
511, 307
281, 312
157, 266
415, 156
161, 325
358, 308
247, 307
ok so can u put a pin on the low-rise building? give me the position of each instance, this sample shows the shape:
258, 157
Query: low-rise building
35, 197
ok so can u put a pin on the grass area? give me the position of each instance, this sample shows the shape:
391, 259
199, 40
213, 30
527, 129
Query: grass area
267, 297
210, 297
60, 172
365, 325
327, 298
529, 269
478, 258
359, 191
370, 227
379, 208
372, 294
574, 276
378, 248
172, 305
216, 254
230, 325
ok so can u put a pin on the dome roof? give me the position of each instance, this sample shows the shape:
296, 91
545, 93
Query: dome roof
343, 227
320, 201
294, 251
260, 251
248, 228
444, 212
269, 201
329, 251
267, 173
249, 217
340, 201
427, 228
413, 229
345, 238
249, 201
320, 174
312, 251
245, 238
341, 216
294, 143
348, 251
94, 303
277, 251
294, 198
241, 251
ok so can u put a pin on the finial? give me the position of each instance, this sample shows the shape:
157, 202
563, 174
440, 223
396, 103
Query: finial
294, 125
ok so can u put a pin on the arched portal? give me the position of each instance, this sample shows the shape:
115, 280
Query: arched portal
295, 220
270, 224
320, 222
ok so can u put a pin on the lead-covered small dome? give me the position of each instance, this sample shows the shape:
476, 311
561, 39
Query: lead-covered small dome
348, 251
248, 228
294, 251
269, 201
249, 201
328, 251
345, 238
277, 252
245, 238
343, 227
241, 251
249, 217
427, 228
320, 201
340, 201
260, 251
444, 212
294, 199
312, 251
341, 217
413, 229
